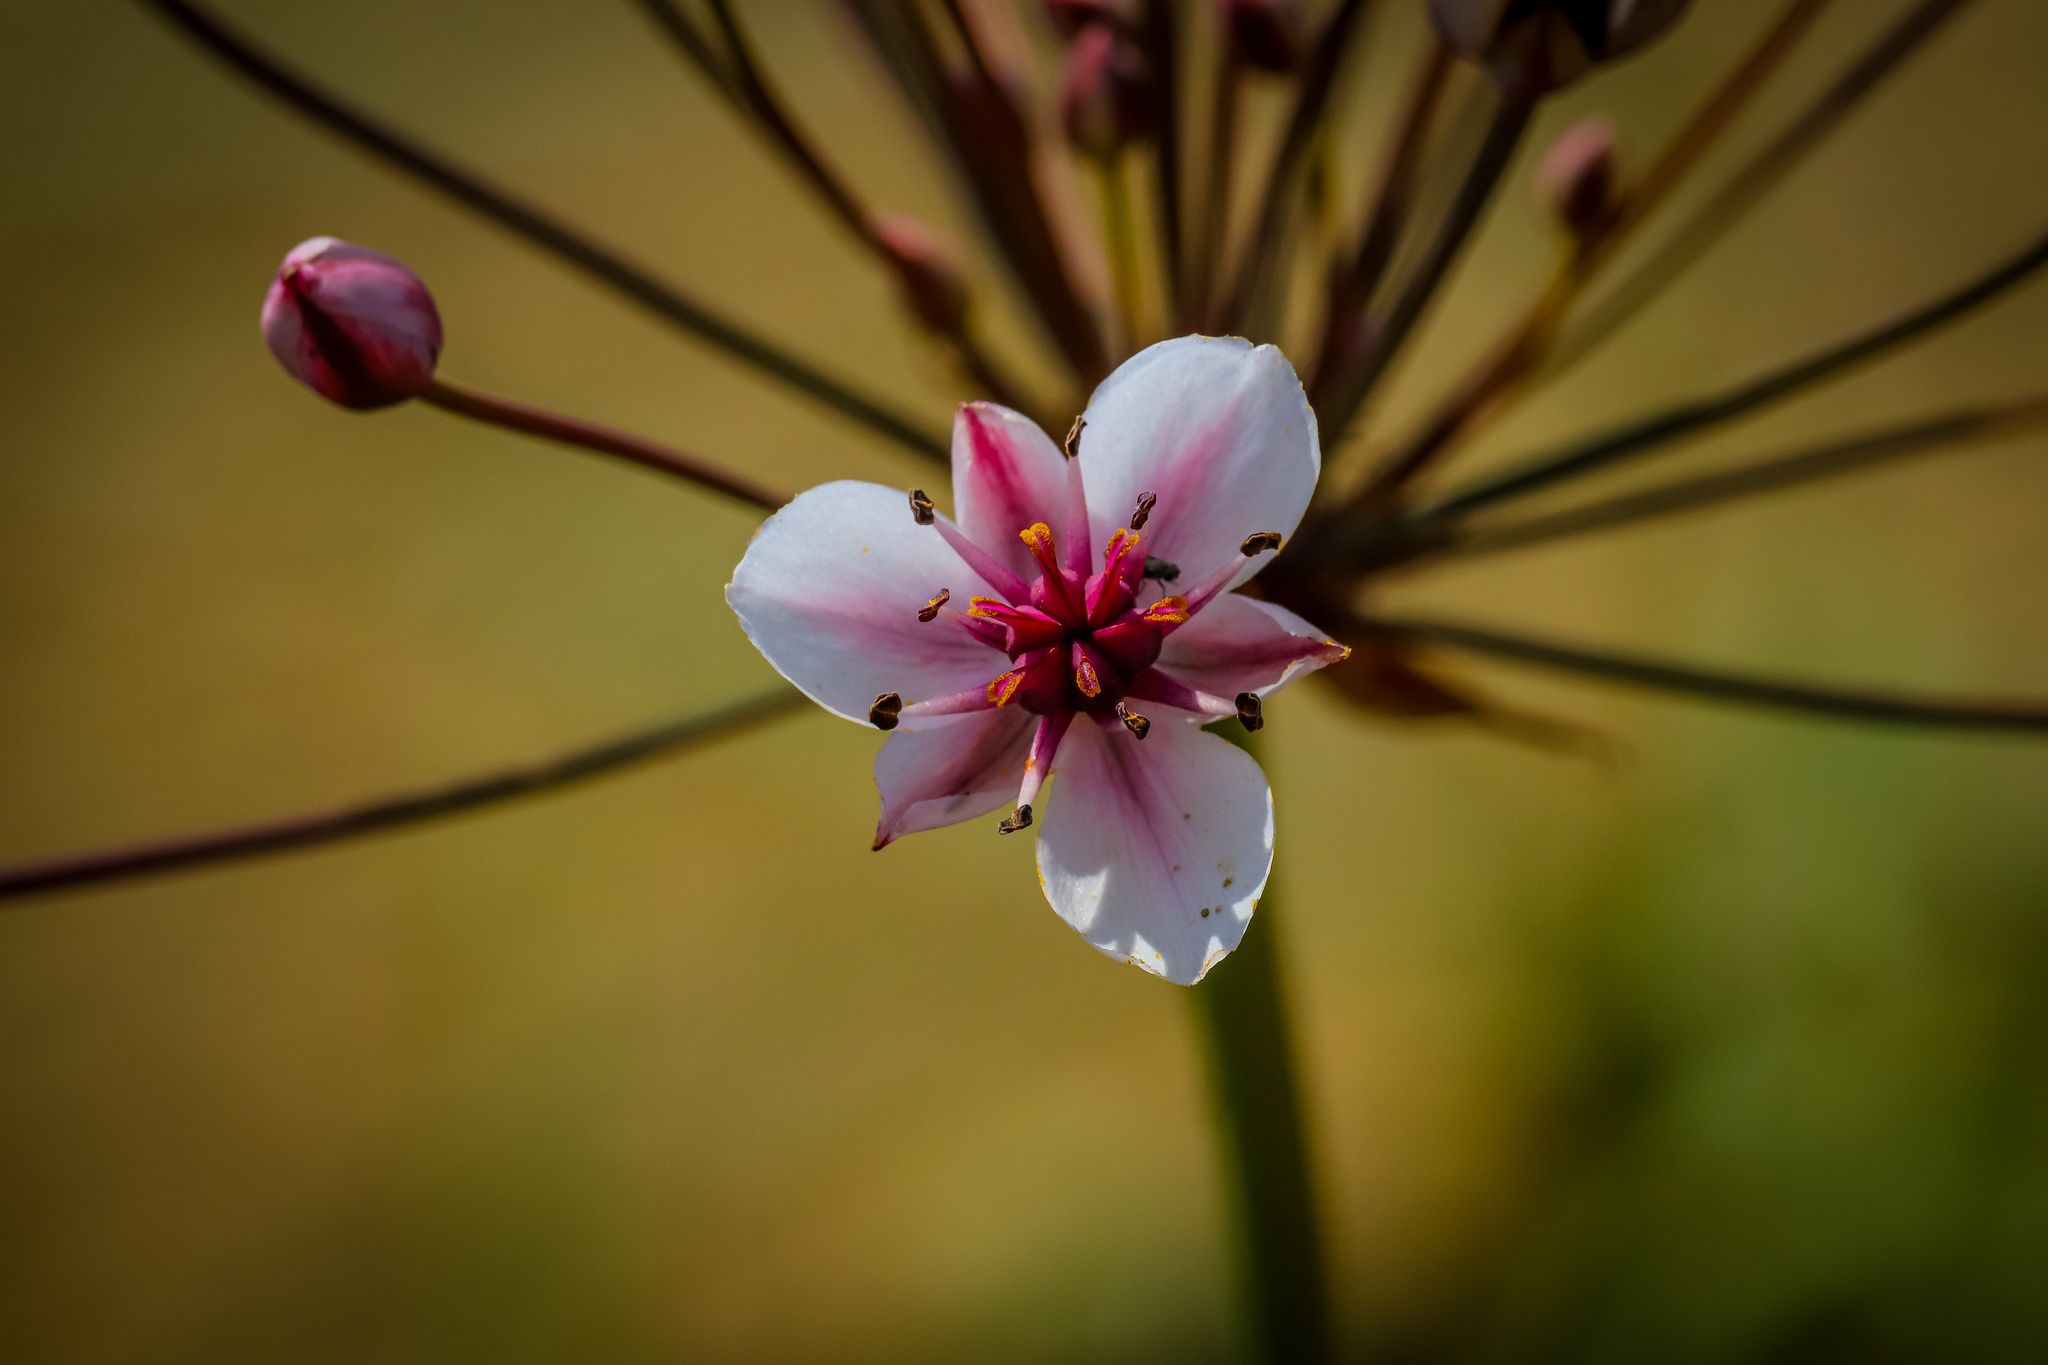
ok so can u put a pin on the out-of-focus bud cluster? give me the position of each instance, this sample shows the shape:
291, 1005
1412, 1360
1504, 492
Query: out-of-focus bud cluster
352, 324
1577, 178
1105, 92
1071, 16
1533, 47
932, 287
1264, 34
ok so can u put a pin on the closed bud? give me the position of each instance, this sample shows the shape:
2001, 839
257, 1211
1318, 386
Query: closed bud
1265, 34
1104, 101
352, 324
1533, 47
932, 288
1069, 17
1576, 177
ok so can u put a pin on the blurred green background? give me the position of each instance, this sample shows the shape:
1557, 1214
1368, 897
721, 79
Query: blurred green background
1731, 1050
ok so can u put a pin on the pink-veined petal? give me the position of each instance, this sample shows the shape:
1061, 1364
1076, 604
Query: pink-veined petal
1221, 431
1156, 850
1239, 644
939, 775
1007, 475
829, 592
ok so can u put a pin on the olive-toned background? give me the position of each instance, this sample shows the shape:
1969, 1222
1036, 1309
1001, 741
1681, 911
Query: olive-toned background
1730, 1049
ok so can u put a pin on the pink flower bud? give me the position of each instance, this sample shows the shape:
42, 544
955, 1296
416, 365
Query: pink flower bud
352, 324
1104, 102
1265, 34
1533, 47
931, 285
1576, 177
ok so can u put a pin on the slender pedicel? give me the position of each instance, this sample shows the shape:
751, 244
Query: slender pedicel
1146, 502
882, 715
1045, 742
1220, 579
1251, 711
1133, 722
922, 509
992, 571
545, 231
929, 612
1152, 685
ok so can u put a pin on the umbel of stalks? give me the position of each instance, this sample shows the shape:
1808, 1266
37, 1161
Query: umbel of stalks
1532, 47
353, 325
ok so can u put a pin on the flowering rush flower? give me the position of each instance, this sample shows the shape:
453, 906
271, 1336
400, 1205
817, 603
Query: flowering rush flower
1075, 619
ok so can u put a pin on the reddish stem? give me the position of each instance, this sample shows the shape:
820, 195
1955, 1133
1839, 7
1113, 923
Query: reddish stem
568, 430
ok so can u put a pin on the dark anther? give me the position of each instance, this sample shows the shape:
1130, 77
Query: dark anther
882, 715
922, 507
1261, 540
1250, 710
1146, 502
1133, 722
930, 610
1160, 570
1015, 822
1072, 445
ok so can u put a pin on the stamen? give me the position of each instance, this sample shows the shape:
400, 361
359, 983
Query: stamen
1044, 744
992, 571
1060, 595
1259, 541
922, 508
1085, 677
1159, 571
1072, 445
974, 698
1146, 502
1133, 722
1079, 556
929, 612
1167, 611
1152, 685
1251, 710
1001, 690
1012, 823
882, 715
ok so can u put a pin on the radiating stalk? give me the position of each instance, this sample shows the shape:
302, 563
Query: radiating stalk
472, 403
1241, 1011
1527, 343
738, 76
1607, 312
537, 227
1764, 476
326, 827
1123, 244
1261, 268
1896, 708
1387, 332
1371, 540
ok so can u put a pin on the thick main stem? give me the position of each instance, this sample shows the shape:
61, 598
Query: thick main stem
1241, 1010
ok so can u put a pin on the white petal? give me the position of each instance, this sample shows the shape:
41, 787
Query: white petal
829, 592
1141, 837
930, 777
1240, 644
1220, 430
1007, 474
